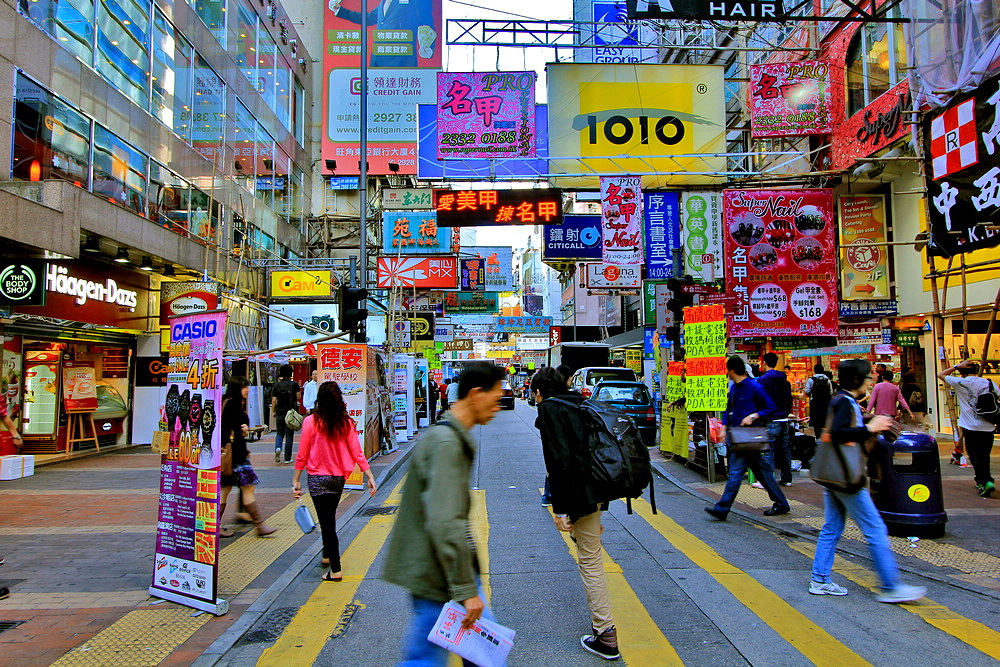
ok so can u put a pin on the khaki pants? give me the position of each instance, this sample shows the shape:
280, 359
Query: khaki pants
587, 532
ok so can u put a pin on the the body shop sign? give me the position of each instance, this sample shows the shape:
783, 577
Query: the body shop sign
605, 276
22, 283
95, 294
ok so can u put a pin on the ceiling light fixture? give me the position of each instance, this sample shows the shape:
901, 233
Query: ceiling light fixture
93, 244
122, 256
147, 264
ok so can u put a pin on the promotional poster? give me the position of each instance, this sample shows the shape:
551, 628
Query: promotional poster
864, 263
790, 99
780, 255
701, 235
622, 219
486, 114
662, 211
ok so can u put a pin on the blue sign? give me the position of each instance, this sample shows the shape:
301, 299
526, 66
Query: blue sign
869, 309
414, 233
345, 182
663, 232
578, 238
523, 324
615, 12
648, 351
428, 166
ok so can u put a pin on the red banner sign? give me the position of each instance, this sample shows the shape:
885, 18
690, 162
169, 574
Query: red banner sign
436, 272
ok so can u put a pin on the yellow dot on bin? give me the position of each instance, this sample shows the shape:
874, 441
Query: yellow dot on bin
919, 493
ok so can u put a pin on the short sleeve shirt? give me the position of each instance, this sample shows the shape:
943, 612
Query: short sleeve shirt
967, 390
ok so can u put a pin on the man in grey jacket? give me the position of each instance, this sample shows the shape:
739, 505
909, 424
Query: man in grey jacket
431, 552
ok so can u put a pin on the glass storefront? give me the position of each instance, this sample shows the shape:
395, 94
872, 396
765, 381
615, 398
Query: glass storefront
51, 139
119, 171
171, 78
122, 46
71, 22
168, 198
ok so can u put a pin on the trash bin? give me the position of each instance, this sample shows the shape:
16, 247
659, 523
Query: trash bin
905, 478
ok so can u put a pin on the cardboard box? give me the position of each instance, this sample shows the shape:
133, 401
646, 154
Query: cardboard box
161, 441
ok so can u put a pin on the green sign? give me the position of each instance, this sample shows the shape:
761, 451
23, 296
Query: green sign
649, 300
908, 339
456, 303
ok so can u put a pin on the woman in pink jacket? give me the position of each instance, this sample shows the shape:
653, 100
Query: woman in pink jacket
886, 398
328, 450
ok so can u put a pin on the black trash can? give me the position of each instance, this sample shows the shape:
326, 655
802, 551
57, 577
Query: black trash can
906, 485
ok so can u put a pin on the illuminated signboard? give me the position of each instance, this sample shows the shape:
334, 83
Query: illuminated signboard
470, 208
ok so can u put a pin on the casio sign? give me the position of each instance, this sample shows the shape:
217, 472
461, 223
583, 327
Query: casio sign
194, 330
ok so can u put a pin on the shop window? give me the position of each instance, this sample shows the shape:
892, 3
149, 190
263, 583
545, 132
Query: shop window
168, 198
267, 52
240, 234
242, 128
171, 77
209, 112
119, 171
213, 15
876, 61
51, 139
283, 93
280, 184
295, 195
202, 221
265, 165
299, 114
70, 22
245, 51
122, 46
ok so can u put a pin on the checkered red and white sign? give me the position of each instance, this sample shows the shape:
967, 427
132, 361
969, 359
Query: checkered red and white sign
953, 139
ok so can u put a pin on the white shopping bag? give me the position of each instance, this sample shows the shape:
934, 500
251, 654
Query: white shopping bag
486, 644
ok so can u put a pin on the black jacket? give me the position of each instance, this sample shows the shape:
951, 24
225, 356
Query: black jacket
231, 424
842, 427
564, 445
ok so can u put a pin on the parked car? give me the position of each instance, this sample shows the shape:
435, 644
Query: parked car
585, 379
634, 399
507, 399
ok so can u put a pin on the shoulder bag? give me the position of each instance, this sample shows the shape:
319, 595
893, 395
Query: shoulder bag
226, 460
293, 419
839, 467
749, 439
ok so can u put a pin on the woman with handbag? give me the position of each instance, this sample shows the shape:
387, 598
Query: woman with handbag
329, 449
839, 467
237, 470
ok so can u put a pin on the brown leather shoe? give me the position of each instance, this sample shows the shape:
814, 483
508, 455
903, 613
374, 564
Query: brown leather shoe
254, 511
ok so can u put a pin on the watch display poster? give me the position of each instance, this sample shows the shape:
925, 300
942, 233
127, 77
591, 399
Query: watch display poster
186, 566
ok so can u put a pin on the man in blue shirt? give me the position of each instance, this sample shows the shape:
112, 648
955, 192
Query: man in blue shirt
776, 385
748, 405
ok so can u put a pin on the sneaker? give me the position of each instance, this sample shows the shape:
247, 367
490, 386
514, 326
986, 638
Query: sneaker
287, 462
546, 502
718, 514
603, 645
818, 588
902, 593
4, 592
986, 490
277, 456
757, 485
786, 484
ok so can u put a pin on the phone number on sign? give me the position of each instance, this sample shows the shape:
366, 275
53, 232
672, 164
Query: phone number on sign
464, 138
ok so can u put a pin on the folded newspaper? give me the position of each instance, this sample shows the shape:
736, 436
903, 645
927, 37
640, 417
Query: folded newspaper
486, 643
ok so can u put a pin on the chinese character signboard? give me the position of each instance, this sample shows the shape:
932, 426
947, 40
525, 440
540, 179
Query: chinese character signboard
471, 302
524, 325
486, 114
613, 276
414, 234
868, 309
705, 358
470, 208
621, 219
578, 238
708, 10
499, 266
658, 116
420, 272
662, 232
790, 99
185, 566
878, 125
701, 235
864, 263
963, 184
781, 259
474, 274
352, 366
407, 199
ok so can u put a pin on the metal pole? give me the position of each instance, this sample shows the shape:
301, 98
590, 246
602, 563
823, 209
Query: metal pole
363, 178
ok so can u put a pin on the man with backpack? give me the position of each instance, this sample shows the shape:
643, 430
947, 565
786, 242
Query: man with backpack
977, 432
562, 426
285, 396
776, 385
819, 390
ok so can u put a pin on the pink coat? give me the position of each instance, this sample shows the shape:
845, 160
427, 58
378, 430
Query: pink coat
885, 396
319, 455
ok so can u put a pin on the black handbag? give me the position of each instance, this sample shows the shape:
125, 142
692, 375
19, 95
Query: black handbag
838, 466
749, 439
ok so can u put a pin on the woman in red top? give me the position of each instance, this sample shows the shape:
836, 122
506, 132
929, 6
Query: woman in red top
328, 450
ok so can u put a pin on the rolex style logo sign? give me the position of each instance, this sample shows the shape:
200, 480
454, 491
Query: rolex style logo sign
22, 283
643, 120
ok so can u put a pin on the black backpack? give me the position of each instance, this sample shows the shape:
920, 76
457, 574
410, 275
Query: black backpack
285, 392
988, 405
821, 390
619, 461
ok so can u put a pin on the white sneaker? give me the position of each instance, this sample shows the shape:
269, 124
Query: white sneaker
817, 588
902, 593
757, 485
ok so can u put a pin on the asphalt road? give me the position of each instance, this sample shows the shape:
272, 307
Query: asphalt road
684, 589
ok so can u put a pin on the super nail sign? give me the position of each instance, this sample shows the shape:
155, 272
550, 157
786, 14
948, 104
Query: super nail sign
470, 208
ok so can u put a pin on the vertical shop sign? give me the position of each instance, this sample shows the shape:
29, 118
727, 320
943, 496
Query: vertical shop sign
864, 263
706, 385
186, 566
662, 232
780, 254
399, 396
347, 365
649, 301
621, 219
675, 381
486, 114
701, 235
790, 99
474, 274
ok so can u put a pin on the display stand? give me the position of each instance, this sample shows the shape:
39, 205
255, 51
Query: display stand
79, 420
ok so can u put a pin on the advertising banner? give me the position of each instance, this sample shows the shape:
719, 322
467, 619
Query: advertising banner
400, 402
405, 46
675, 381
706, 384
674, 430
780, 254
473, 274
860, 334
471, 302
347, 365
498, 208
499, 266
878, 125
294, 284
523, 325
621, 219
79, 387
185, 566
421, 325
407, 199
707, 10
864, 265
651, 113
414, 234
963, 183
432, 302
868, 309
291, 329
425, 272
614, 37
188, 298
662, 232
486, 114
790, 99
612, 276
701, 235
578, 238
649, 301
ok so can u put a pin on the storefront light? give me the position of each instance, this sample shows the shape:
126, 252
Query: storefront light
147, 264
122, 256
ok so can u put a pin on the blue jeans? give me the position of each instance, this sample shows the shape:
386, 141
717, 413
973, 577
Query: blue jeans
863, 511
417, 651
760, 464
781, 450
285, 435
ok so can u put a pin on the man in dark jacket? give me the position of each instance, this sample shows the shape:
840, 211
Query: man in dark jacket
561, 426
748, 405
776, 385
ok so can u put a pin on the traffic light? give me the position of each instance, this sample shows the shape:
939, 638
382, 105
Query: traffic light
352, 315
680, 300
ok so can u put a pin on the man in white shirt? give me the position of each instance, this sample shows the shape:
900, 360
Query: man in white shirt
976, 431
309, 391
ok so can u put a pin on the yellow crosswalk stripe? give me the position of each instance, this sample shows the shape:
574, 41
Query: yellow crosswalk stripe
811, 640
966, 630
309, 629
640, 639
480, 521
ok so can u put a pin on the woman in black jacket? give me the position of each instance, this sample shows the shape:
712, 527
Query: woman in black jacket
234, 425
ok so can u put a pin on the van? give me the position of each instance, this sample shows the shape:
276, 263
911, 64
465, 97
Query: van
585, 379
